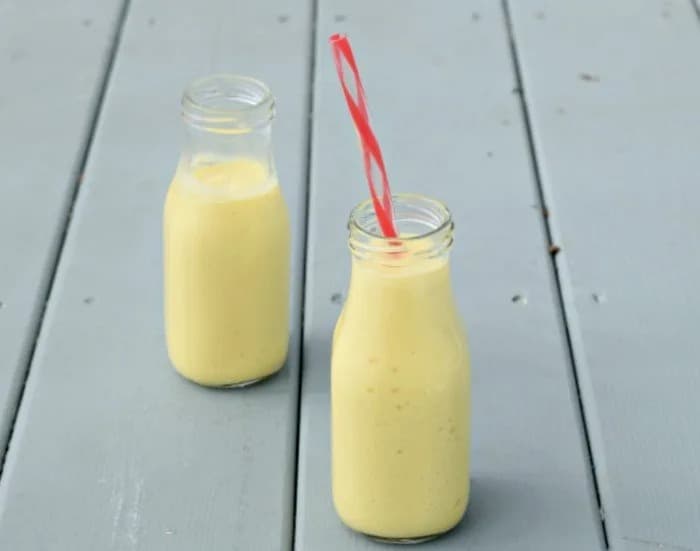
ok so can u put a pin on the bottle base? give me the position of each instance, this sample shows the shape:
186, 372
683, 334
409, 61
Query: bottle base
409, 540
249, 382
227, 386
404, 541
442, 530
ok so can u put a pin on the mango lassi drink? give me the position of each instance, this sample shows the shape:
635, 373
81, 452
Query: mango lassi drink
400, 381
226, 248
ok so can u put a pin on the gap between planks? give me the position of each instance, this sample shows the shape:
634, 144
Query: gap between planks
554, 249
305, 251
76, 178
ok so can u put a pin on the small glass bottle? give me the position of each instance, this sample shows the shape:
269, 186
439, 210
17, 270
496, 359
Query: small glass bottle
226, 239
400, 380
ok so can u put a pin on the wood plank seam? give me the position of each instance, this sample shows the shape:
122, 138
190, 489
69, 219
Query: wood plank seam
68, 215
313, 43
553, 250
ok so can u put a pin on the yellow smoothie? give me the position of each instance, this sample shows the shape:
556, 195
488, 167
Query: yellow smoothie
400, 401
227, 247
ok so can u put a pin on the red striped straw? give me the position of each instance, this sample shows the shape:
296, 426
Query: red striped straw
371, 152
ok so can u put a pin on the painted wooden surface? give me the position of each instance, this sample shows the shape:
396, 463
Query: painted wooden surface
440, 86
612, 90
52, 60
113, 450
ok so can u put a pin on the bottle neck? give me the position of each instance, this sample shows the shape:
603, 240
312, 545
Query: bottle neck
228, 117
425, 230
206, 148
407, 276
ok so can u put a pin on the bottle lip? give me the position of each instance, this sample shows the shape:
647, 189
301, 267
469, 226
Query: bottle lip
364, 213
425, 227
227, 103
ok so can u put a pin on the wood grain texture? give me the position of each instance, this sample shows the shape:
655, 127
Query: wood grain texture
52, 60
440, 85
612, 90
112, 450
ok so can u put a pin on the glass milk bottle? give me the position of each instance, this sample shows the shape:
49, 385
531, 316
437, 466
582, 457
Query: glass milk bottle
400, 380
226, 239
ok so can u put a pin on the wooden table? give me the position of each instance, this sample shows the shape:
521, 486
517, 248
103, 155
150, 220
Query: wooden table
563, 135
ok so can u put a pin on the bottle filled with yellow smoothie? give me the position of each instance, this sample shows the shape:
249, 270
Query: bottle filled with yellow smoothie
400, 380
226, 239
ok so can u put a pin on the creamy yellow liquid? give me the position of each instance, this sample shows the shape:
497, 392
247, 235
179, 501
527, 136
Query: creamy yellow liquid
400, 402
226, 235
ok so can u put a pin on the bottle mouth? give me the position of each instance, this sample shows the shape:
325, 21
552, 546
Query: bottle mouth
225, 103
424, 225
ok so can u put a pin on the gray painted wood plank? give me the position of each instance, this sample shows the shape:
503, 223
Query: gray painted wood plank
112, 449
52, 61
612, 90
439, 83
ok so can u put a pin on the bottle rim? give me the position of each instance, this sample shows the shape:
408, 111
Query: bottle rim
425, 227
227, 103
